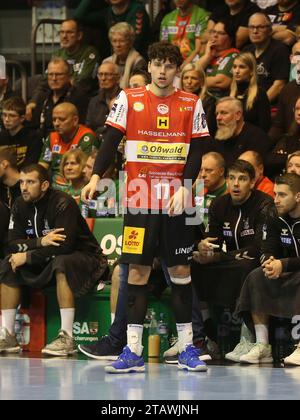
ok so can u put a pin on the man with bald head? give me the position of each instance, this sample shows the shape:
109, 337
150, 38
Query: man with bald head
99, 106
68, 134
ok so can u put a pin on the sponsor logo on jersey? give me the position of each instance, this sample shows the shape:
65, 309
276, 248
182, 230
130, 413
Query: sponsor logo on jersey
163, 123
286, 241
151, 133
185, 108
56, 148
284, 232
138, 106
133, 242
163, 109
161, 152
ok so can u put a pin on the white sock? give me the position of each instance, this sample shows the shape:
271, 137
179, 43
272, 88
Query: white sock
262, 333
205, 314
0, 320
185, 335
8, 320
112, 317
134, 338
67, 316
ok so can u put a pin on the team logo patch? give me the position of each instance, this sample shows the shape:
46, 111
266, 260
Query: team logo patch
86, 138
56, 148
133, 241
138, 106
163, 109
163, 123
92, 56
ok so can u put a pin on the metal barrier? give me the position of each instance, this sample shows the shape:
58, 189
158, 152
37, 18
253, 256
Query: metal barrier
34, 46
17, 71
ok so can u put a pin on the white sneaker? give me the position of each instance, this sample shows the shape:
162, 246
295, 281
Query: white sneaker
241, 349
260, 353
294, 358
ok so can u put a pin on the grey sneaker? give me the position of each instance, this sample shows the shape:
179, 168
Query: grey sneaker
8, 342
243, 347
62, 345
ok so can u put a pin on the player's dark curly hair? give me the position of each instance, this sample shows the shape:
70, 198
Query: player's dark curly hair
163, 51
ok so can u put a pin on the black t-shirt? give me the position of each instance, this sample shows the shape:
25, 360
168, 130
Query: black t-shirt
240, 19
27, 145
250, 138
273, 64
290, 18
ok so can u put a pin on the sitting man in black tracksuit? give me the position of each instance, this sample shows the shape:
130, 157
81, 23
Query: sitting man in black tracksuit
273, 289
48, 238
231, 248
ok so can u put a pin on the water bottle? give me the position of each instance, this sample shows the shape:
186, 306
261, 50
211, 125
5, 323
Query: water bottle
163, 334
153, 339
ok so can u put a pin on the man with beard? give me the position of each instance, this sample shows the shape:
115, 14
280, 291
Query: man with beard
48, 240
235, 136
273, 289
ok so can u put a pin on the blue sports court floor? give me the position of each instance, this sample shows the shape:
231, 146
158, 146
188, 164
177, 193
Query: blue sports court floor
23, 378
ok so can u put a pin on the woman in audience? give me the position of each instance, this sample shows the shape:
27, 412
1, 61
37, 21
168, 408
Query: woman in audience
71, 167
244, 86
121, 37
193, 80
289, 143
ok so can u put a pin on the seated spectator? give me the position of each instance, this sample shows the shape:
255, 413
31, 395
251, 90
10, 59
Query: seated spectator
234, 136
57, 244
25, 143
273, 289
83, 59
230, 250
71, 168
193, 80
287, 144
295, 62
285, 18
272, 56
121, 37
284, 117
109, 88
5, 93
185, 27
130, 11
212, 173
238, 13
60, 90
218, 59
257, 110
68, 134
89, 166
139, 78
293, 163
262, 183
9, 176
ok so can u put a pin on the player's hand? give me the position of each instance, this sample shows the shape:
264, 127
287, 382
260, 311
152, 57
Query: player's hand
89, 190
17, 260
272, 268
206, 247
178, 202
54, 238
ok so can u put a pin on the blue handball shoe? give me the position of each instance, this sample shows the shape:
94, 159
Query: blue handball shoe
127, 362
189, 360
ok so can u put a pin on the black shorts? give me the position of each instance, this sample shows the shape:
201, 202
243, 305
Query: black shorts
146, 236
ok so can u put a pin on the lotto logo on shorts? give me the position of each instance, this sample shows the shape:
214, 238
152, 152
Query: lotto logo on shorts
163, 123
133, 241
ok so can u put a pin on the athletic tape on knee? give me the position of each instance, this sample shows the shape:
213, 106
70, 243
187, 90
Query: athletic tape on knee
181, 281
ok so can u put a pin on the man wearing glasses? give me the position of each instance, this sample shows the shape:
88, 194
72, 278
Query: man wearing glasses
272, 56
99, 106
60, 89
83, 59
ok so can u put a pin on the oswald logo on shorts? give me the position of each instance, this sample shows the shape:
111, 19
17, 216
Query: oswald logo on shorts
163, 123
133, 241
